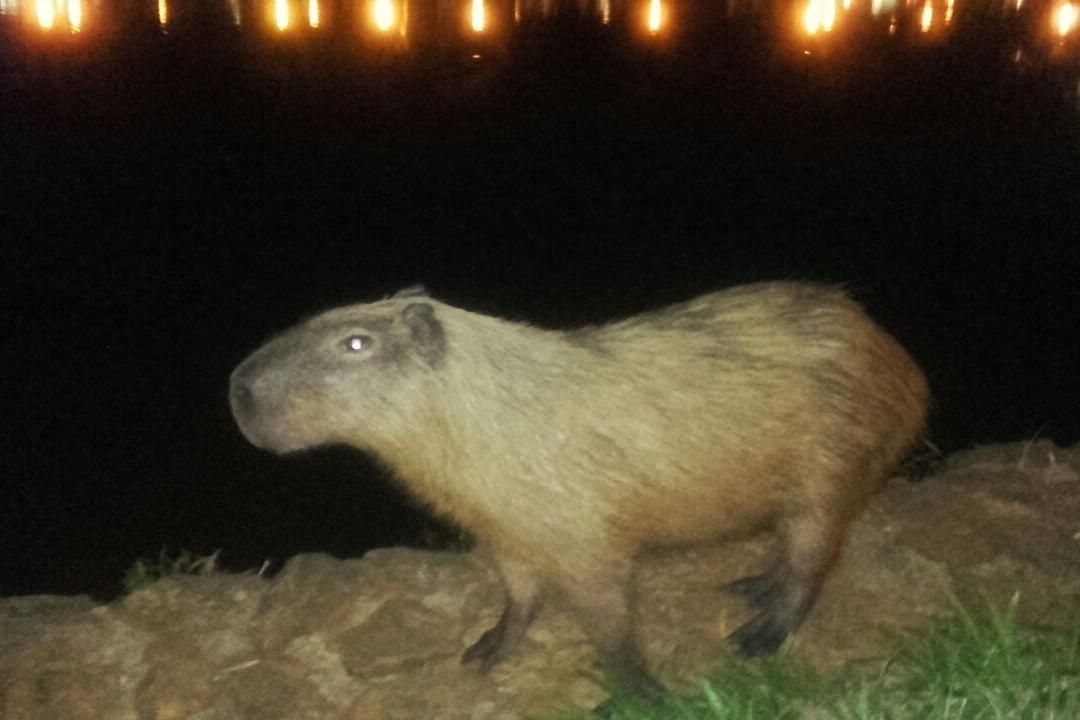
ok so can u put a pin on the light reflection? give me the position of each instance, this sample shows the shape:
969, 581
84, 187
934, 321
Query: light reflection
949, 10
478, 16
74, 11
162, 13
1066, 18
234, 10
9, 7
927, 19
281, 14
655, 19
605, 11
313, 13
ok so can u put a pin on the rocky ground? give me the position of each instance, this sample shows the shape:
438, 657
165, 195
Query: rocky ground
381, 636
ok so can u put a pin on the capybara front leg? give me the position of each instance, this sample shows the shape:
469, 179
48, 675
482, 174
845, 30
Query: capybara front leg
522, 602
605, 614
785, 593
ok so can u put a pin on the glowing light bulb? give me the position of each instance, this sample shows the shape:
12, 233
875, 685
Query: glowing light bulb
655, 16
75, 15
478, 16
281, 14
383, 15
46, 13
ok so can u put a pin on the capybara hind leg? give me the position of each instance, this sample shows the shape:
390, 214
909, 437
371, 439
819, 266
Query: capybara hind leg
785, 593
523, 590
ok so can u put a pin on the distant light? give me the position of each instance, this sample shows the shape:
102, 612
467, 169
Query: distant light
655, 18
46, 13
75, 15
313, 13
1066, 17
605, 11
478, 16
877, 7
819, 15
384, 15
927, 16
281, 14
949, 10
162, 12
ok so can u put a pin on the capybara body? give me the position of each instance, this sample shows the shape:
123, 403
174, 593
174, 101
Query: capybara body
776, 406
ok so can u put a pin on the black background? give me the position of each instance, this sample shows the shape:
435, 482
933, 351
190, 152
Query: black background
169, 201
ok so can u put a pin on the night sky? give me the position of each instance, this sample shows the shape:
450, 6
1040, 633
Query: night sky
170, 199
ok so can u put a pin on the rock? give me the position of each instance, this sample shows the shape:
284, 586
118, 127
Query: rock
381, 636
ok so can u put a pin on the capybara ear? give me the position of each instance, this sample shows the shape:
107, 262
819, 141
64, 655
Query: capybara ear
417, 290
426, 332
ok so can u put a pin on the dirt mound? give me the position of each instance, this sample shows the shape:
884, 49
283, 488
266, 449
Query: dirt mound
381, 636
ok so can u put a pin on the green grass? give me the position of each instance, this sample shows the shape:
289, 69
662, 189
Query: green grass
144, 572
968, 666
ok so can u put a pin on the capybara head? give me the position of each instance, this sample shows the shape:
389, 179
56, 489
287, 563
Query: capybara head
340, 375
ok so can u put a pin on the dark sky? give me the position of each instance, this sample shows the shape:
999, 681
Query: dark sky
169, 201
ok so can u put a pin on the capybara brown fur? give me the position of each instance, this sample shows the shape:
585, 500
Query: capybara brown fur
772, 406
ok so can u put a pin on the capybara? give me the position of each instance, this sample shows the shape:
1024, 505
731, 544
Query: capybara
772, 406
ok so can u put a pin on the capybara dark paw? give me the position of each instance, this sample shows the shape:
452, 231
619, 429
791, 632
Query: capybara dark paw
485, 651
760, 591
761, 636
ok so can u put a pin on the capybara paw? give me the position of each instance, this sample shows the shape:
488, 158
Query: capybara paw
484, 651
760, 591
761, 636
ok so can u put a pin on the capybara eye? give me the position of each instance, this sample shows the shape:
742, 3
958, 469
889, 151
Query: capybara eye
357, 343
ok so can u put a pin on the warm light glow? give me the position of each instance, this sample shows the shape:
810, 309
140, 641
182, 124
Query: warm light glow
605, 11
1019, 3
949, 10
162, 12
281, 14
46, 13
478, 16
234, 10
819, 15
877, 7
383, 14
927, 16
656, 17
75, 15
1066, 18
313, 13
